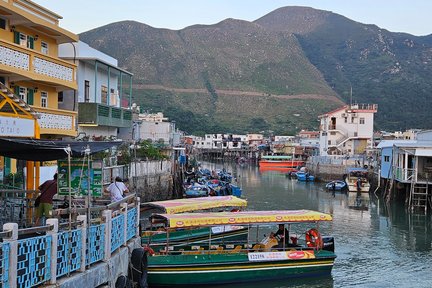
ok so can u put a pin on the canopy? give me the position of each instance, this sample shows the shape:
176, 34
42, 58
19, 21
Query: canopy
276, 157
44, 150
241, 218
194, 204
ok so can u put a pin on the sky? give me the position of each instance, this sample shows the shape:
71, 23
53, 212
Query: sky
413, 17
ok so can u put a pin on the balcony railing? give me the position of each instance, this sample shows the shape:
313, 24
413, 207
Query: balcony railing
36, 66
56, 121
103, 115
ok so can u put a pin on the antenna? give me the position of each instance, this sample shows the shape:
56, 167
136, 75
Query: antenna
351, 96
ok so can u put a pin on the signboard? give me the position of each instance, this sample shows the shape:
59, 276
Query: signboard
285, 255
79, 178
16, 127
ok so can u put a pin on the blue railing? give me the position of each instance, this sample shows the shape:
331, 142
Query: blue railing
4, 265
117, 232
95, 244
69, 250
44, 259
34, 265
131, 223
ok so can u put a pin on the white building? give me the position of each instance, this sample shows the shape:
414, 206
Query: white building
103, 106
347, 130
157, 128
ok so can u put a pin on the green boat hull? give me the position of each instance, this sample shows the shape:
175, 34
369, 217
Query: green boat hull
209, 269
195, 236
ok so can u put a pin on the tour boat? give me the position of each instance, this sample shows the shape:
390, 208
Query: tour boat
158, 236
240, 261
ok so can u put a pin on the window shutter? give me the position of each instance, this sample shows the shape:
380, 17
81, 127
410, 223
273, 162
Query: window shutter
17, 37
30, 42
16, 90
30, 98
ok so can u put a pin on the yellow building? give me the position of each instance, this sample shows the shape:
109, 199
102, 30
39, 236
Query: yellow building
32, 73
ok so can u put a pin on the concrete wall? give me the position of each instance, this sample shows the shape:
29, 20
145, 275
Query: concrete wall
152, 180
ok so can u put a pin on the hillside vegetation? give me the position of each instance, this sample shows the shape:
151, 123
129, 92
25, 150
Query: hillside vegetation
277, 73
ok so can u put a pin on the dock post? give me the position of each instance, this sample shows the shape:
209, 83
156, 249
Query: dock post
83, 228
54, 240
124, 210
13, 252
106, 215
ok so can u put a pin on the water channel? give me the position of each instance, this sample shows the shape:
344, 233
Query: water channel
376, 245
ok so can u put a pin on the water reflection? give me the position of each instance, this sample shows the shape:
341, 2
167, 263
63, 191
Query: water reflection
358, 200
377, 245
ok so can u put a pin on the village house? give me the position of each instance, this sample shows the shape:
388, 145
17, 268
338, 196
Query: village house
347, 130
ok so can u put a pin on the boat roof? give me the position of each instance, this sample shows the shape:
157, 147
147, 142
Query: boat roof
194, 204
241, 218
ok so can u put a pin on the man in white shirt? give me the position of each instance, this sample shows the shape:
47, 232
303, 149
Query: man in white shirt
117, 189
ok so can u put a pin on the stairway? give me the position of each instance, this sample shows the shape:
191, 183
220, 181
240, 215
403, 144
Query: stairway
419, 196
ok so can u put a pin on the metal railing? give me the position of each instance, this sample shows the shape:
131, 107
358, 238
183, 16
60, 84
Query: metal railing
41, 255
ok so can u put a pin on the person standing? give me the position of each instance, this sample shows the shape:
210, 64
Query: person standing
48, 189
116, 189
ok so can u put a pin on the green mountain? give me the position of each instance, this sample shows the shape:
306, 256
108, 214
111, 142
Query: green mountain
277, 73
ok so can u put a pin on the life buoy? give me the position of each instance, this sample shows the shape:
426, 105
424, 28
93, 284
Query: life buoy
149, 250
314, 239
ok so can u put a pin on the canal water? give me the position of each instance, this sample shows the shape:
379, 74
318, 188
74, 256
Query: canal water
376, 245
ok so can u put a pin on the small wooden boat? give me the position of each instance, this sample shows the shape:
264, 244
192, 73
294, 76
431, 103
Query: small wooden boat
197, 190
357, 180
304, 176
336, 185
240, 261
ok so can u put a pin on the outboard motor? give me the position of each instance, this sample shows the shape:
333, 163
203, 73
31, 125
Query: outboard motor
328, 243
139, 267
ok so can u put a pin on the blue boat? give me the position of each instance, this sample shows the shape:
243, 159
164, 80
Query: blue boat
338, 185
197, 190
304, 176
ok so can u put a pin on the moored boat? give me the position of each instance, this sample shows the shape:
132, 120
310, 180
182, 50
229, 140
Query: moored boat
357, 180
191, 236
282, 161
238, 262
336, 185
305, 176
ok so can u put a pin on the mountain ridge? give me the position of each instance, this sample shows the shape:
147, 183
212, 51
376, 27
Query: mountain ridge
289, 51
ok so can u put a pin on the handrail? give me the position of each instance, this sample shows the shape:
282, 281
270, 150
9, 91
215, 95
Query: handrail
31, 230
6, 234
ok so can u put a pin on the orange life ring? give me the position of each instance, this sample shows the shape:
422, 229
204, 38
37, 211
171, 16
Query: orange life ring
149, 250
314, 239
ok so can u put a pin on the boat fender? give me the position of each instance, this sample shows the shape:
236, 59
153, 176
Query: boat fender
138, 266
314, 239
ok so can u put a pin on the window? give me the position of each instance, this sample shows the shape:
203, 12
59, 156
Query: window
332, 133
324, 133
104, 95
355, 134
2, 23
386, 158
44, 99
329, 142
60, 97
352, 120
346, 119
362, 120
86, 91
44, 48
22, 39
23, 93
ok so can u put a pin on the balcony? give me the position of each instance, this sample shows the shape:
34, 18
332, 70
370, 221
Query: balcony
56, 121
103, 115
36, 66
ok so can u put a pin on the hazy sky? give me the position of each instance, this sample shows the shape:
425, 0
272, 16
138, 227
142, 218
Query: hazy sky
412, 16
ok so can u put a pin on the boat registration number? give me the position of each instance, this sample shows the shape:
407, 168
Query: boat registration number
274, 256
